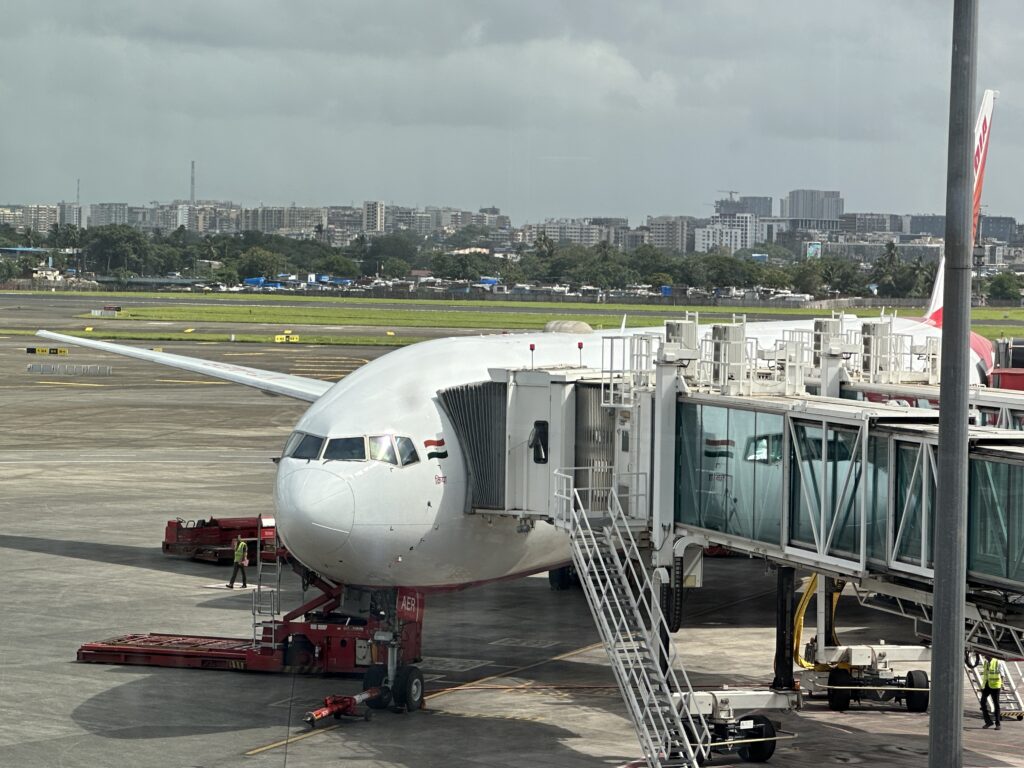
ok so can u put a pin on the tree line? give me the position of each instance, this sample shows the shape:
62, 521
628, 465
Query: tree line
124, 251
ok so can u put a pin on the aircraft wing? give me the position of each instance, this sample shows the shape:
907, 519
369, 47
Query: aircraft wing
298, 387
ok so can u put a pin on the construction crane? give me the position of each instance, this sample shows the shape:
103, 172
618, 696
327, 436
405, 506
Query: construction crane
729, 192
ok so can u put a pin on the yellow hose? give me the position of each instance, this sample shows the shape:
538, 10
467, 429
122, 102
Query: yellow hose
798, 621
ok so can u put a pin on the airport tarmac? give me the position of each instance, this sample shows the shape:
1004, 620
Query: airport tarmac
92, 467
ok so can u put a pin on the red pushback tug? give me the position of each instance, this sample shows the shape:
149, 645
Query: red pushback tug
326, 635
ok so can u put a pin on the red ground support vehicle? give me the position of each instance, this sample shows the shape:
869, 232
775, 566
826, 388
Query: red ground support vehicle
381, 641
210, 540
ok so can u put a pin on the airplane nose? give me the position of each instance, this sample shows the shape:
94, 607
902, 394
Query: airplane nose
315, 513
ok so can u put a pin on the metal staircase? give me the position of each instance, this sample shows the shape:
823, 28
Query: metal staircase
657, 691
266, 602
1010, 703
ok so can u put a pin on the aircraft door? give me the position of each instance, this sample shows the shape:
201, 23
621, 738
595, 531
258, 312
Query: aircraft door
539, 438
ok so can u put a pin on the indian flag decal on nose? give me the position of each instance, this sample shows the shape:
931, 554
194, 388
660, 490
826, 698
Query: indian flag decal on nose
435, 449
718, 449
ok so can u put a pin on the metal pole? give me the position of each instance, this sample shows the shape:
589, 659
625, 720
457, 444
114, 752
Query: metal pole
945, 737
785, 580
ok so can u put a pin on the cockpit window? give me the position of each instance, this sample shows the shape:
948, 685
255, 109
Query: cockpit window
308, 447
293, 440
407, 451
381, 449
345, 449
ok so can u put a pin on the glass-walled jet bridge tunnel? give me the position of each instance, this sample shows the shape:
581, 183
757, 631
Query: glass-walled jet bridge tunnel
848, 489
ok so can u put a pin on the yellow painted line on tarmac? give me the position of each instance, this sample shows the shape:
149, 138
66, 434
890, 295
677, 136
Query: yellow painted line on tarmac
510, 672
434, 695
291, 740
70, 384
190, 381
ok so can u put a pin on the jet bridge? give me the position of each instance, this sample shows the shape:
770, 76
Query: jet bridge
816, 452
520, 427
720, 441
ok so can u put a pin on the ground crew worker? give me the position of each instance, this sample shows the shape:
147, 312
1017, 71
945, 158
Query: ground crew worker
991, 685
241, 560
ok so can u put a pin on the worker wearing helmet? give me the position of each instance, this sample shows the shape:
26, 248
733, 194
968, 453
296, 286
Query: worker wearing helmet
991, 685
241, 560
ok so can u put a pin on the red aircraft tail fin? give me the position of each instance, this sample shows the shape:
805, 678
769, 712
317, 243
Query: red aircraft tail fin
982, 131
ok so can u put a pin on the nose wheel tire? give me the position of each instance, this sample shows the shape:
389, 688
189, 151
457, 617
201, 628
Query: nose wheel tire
409, 688
374, 678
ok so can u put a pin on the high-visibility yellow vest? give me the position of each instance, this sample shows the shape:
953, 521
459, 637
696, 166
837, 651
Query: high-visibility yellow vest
992, 678
241, 551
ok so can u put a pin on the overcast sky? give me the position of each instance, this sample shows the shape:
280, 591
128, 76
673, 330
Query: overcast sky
543, 108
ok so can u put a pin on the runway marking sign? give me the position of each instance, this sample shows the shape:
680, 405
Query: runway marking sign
46, 350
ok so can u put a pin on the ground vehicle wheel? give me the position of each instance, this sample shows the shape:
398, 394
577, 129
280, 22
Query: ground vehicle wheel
374, 678
917, 701
409, 688
300, 652
839, 698
759, 751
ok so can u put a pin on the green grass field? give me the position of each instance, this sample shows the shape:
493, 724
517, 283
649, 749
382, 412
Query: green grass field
286, 310
438, 317
428, 304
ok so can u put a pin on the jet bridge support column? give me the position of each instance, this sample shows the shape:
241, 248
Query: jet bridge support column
945, 733
785, 580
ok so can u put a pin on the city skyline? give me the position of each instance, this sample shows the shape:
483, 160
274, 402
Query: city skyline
533, 108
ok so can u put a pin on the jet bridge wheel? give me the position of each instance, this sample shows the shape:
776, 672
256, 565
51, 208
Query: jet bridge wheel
839, 697
917, 701
759, 751
374, 678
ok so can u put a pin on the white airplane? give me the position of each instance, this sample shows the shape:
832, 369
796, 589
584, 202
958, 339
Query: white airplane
372, 487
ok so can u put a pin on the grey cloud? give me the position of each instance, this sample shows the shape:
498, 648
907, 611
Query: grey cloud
544, 108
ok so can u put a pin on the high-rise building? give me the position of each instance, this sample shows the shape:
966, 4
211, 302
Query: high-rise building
69, 213
863, 223
103, 214
373, 216
811, 204
669, 232
729, 232
759, 206
1002, 228
576, 231
40, 218
928, 224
